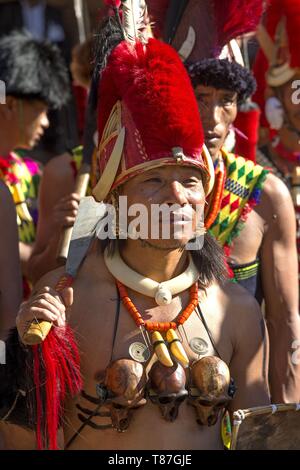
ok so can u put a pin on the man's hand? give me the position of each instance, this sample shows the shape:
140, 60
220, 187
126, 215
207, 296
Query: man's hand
47, 304
65, 211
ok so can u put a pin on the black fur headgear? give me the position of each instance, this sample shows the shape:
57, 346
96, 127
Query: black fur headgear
32, 69
223, 74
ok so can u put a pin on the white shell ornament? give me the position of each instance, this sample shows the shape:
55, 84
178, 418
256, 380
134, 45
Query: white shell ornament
163, 296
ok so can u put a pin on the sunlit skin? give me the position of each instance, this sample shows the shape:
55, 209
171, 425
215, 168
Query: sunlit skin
218, 110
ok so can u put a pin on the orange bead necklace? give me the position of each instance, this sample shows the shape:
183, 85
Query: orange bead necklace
158, 326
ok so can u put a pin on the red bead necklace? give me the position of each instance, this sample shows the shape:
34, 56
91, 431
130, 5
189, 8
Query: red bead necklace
158, 326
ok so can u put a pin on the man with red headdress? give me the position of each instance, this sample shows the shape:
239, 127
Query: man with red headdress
158, 326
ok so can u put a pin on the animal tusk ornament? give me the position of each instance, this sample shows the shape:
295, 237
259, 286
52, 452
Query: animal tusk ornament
176, 348
161, 349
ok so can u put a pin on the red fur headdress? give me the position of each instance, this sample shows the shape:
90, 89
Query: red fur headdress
148, 114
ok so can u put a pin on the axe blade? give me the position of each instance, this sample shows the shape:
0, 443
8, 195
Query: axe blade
88, 216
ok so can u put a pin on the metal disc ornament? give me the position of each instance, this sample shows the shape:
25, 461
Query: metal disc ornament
198, 345
139, 352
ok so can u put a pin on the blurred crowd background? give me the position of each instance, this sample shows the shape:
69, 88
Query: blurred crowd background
65, 23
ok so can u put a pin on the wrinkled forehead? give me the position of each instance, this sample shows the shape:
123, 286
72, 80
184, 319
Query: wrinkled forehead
169, 173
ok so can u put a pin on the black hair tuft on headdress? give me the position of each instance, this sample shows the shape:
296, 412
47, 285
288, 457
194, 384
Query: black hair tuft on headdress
109, 35
33, 69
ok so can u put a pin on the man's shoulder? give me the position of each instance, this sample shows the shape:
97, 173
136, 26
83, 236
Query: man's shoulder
93, 270
276, 202
240, 305
275, 190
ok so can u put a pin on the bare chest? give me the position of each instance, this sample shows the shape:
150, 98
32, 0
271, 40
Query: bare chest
106, 333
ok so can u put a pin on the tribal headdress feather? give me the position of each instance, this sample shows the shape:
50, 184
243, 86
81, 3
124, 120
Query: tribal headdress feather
147, 112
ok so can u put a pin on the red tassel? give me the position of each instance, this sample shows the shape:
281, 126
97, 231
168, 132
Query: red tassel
56, 372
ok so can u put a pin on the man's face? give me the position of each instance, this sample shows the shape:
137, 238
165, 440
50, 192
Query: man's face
291, 106
218, 110
33, 120
180, 190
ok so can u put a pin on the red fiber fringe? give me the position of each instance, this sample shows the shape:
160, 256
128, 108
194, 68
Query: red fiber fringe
56, 373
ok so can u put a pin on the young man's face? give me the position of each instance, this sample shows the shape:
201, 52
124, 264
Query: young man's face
180, 190
32, 121
218, 110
